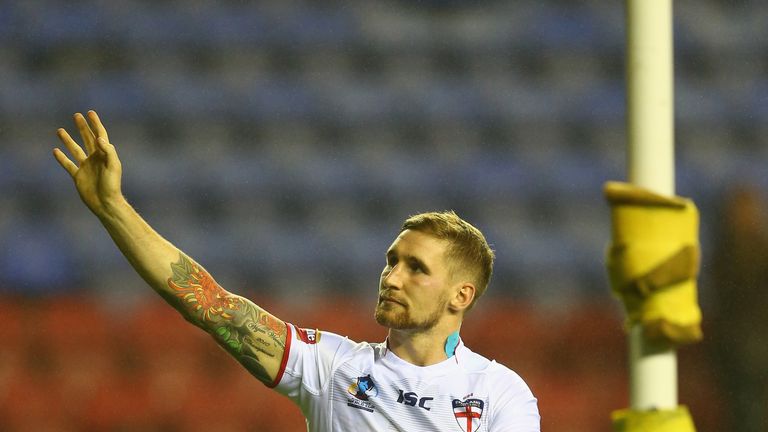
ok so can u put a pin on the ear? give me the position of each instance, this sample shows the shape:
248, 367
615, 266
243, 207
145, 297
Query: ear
463, 295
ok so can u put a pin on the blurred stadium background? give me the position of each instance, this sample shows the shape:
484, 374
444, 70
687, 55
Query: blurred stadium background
281, 143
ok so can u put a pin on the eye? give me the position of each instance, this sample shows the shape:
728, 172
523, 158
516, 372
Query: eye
415, 267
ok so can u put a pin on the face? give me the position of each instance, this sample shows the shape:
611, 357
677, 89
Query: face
414, 286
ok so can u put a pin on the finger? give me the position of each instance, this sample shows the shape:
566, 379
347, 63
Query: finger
64, 161
74, 149
89, 138
96, 125
108, 150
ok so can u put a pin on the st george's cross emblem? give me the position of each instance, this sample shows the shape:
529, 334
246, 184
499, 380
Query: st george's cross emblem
468, 413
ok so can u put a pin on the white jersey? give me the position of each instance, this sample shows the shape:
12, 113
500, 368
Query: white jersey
342, 386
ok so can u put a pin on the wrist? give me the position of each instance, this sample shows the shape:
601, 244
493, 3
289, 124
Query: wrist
112, 208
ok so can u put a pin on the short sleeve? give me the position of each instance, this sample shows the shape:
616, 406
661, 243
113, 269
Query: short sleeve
517, 409
308, 361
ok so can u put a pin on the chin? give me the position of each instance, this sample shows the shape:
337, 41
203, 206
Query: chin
399, 319
391, 319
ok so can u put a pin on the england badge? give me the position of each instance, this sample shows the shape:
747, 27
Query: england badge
468, 413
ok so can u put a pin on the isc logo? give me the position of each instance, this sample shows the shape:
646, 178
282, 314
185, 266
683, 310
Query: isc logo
412, 399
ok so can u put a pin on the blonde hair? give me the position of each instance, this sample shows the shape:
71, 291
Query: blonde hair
468, 250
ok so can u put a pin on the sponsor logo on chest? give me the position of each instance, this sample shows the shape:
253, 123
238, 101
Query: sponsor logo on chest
412, 399
467, 411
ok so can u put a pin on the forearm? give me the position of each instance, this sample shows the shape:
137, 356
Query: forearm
147, 251
253, 336
162, 265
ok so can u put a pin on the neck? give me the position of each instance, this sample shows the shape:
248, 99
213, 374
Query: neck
421, 348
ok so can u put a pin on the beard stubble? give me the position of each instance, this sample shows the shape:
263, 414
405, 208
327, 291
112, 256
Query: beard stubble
399, 317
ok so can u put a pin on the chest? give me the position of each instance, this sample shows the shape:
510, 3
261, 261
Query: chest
382, 399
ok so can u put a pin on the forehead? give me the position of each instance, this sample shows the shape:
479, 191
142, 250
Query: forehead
424, 246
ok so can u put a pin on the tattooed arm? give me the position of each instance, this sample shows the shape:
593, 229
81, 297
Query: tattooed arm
253, 336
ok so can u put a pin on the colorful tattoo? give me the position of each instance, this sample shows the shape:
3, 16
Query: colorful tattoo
271, 326
246, 331
197, 289
228, 338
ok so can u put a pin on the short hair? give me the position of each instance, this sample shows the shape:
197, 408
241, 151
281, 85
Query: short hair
468, 250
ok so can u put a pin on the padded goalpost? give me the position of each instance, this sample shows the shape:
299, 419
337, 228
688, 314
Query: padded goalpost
651, 165
654, 255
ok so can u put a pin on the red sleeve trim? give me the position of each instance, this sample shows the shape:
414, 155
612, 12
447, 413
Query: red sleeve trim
284, 361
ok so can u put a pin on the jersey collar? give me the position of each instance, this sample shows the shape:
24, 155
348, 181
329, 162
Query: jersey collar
396, 361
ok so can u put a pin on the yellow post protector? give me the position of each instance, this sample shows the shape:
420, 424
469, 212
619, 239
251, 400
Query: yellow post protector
653, 261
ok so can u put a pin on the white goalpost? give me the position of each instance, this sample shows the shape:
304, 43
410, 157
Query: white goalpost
650, 164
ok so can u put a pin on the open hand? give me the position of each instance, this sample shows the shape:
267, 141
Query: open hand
96, 170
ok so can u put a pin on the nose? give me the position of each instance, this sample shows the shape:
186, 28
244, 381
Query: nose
391, 277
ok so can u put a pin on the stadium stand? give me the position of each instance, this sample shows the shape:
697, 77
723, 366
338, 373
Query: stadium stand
282, 142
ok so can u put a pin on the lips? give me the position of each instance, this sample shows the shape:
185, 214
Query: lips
390, 299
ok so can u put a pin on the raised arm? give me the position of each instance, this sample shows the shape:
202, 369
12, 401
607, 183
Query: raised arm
253, 336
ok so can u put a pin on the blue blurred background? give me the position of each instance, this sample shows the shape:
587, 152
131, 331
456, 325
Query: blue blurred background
282, 143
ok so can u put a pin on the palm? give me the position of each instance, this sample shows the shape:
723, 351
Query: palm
96, 170
95, 182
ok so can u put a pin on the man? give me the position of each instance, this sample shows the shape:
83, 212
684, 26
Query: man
422, 378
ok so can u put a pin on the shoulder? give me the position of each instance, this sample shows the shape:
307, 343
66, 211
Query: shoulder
474, 362
511, 404
503, 377
514, 405
312, 356
329, 341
